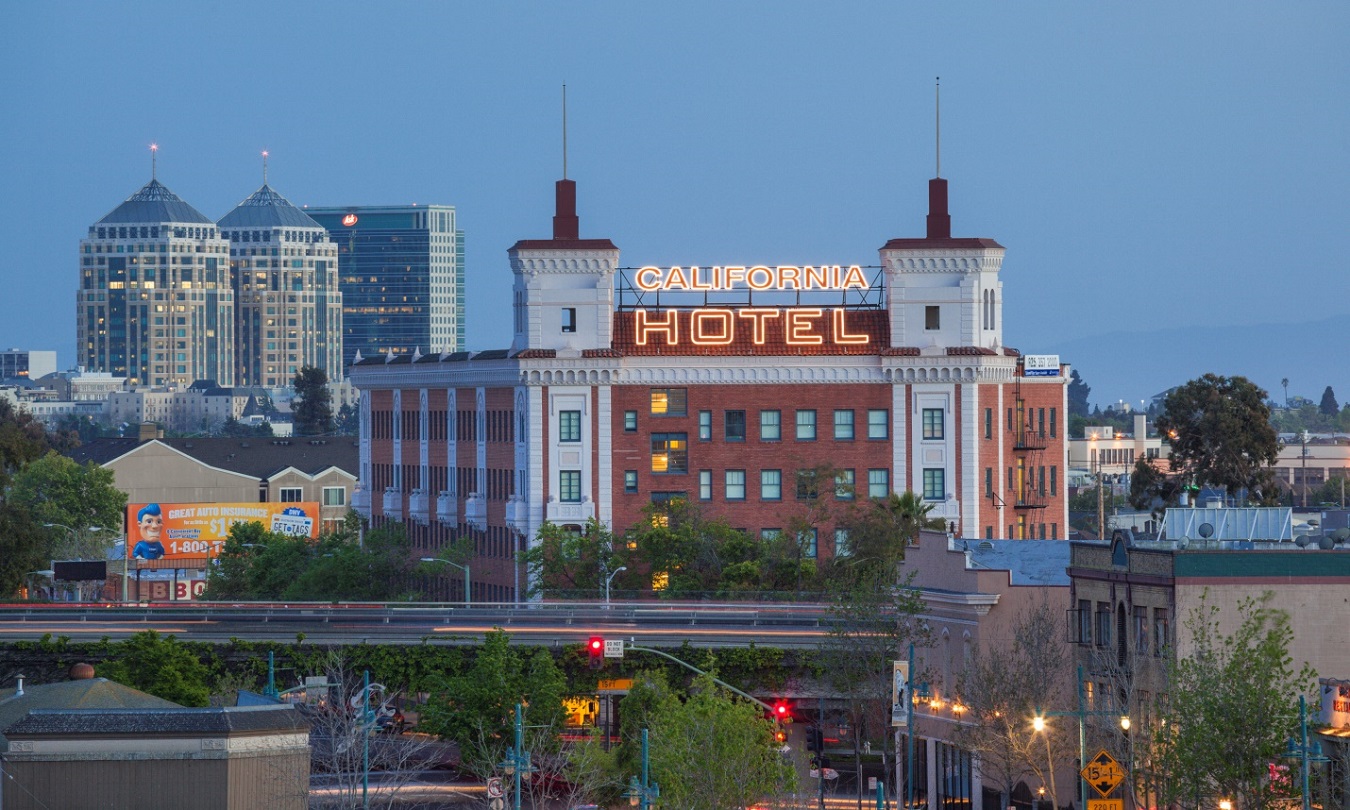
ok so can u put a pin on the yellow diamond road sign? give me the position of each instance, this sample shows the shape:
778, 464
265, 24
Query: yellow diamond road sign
1103, 773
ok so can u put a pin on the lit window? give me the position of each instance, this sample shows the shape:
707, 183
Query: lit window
669, 402
670, 452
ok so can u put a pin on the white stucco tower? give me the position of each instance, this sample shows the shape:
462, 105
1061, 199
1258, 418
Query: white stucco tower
563, 297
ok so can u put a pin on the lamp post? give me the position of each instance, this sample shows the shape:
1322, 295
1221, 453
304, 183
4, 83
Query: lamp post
517, 760
1038, 724
463, 566
1304, 752
642, 795
610, 579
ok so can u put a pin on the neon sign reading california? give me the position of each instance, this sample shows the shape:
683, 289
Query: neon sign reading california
757, 277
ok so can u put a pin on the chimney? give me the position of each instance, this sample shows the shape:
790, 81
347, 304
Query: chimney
939, 221
565, 222
19, 692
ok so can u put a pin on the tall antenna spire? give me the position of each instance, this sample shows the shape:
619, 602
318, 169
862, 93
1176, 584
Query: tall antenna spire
564, 131
937, 109
154, 149
264, 154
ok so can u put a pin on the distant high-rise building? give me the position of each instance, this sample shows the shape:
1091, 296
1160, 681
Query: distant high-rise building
288, 306
401, 273
25, 363
155, 302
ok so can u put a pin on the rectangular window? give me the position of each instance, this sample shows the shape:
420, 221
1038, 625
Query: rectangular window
841, 547
569, 426
1140, 630
844, 485
670, 453
630, 482
933, 426
569, 319
770, 426
1103, 636
807, 487
808, 542
735, 480
878, 424
1084, 622
334, 496
806, 426
989, 423
734, 426
705, 426
843, 425
989, 482
290, 494
934, 484
771, 485
770, 534
932, 318
569, 486
705, 485
630, 421
1161, 638
1052, 423
669, 402
878, 483
1054, 480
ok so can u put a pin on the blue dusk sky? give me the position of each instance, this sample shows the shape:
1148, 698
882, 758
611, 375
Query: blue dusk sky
1170, 179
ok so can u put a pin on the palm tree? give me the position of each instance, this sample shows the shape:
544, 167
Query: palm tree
1285, 383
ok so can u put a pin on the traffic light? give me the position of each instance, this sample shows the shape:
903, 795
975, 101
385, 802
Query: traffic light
815, 739
782, 713
780, 735
595, 649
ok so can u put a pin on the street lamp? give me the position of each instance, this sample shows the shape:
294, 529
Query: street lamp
1038, 723
463, 566
610, 579
1306, 753
642, 795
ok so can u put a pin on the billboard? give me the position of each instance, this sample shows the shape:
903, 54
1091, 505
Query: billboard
171, 531
1041, 365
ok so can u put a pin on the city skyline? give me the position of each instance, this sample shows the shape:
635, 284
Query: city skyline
1146, 168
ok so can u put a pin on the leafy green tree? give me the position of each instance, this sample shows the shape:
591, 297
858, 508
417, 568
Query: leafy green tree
879, 529
1233, 702
476, 709
1220, 433
160, 666
1329, 406
22, 539
563, 563
234, 428
348, 421
712, 752
1151, 488
1078, 395
72, 498
313, 405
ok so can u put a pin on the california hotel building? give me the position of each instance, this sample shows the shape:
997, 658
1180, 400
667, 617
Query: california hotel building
628, 384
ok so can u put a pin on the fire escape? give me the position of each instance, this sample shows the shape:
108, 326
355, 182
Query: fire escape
1026, 482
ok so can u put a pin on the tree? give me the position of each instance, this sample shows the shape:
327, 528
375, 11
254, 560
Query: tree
1220, 433
1151, 488
160, 666
313, 405
1285, 383
348, 421
1005, 683
711, 752
567, 564
22, 538
79, 505
1233, 702
1078, 395
1329, 406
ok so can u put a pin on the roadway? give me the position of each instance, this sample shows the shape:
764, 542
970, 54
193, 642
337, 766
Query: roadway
548, 623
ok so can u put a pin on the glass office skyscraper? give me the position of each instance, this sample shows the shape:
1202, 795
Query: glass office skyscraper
401, 274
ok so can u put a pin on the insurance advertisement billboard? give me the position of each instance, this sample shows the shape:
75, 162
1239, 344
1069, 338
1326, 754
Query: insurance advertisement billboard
169, 531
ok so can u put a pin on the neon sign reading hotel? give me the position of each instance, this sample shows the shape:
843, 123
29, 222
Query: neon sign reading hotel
757, 277
715, 326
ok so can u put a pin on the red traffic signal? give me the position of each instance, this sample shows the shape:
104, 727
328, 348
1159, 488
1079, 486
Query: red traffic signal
595, 650
781, 710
